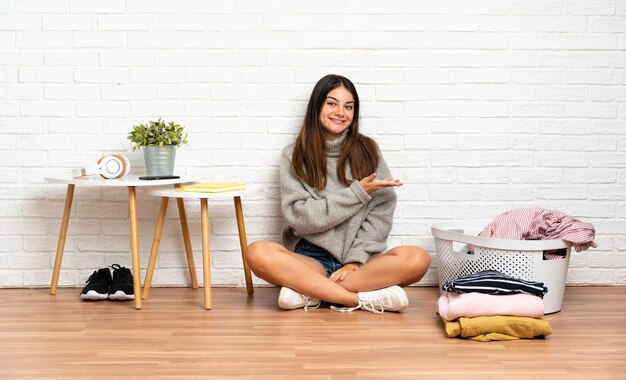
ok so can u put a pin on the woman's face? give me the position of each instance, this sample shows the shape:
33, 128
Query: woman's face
337, 112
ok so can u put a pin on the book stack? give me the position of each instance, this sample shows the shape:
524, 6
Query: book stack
214, 187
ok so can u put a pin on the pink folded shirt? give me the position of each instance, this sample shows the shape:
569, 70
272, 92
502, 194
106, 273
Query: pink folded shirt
454, 305
541, 224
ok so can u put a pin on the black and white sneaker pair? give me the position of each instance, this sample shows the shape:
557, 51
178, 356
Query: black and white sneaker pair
101, 286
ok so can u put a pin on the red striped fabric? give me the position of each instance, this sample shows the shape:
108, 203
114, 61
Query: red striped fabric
541, 224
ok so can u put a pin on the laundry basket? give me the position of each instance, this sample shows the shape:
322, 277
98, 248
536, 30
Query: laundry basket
460, 251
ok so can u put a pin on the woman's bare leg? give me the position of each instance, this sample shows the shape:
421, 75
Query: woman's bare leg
279, 266
402, 266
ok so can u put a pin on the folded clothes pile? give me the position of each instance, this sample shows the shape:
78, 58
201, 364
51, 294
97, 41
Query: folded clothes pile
490, 305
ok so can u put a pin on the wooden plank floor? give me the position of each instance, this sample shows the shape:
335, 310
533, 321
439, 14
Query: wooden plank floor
172, 337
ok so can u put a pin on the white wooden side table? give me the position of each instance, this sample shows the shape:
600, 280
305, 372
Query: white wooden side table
204, 198
130, 182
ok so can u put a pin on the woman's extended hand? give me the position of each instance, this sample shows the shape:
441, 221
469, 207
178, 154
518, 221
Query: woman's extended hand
371, 184
341, 273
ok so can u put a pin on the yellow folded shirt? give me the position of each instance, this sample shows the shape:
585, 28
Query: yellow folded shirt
497, 328
214, 187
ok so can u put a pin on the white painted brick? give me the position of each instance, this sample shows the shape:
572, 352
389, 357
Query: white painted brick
452, 92
570, 127
426, 175
561, 192
430, 109
565, 60
608, 192
483, 109
180, 22
540, 143
99, 39
470, 142
428, 7
562, 159
602, 111
235, 22
156, 75
67, 22
9, 75
44, 39
201, 6
77, 58
71, 92
7, 40
107, 75
506, 23
587, 8
537, 110
104, 109
601, 77
610, 227
507, 92
180, 39
591, 176
17, 57
561, 24
483, 175
536, 175
582, 276
20, 22
21, 91
453, 23
535, 7
482, 7
11, 278
607, 94
127, 92
590, 143
45, 75
41, 6
534, 41
124, 22
538, 76
399, 22
482, 76
154, 6
439, 59
463, 40
563, 94
48, 108
47, 142
160, 108
434, 142
95, 6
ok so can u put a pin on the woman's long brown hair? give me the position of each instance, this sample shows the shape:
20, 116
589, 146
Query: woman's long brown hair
308, 161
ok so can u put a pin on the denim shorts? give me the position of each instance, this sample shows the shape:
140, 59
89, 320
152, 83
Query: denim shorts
328, 261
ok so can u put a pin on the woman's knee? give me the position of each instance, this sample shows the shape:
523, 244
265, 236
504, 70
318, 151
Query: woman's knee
257, 254
414, 259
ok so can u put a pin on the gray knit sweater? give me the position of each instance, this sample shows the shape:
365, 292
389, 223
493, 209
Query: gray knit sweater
344, 220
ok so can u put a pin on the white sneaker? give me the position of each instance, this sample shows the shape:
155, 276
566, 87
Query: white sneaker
289, 299
392, 298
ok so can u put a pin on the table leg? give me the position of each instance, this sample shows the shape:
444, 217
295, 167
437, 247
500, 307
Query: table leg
187, 240
206, 260
134, 241
155, 248
243, 243
69, 196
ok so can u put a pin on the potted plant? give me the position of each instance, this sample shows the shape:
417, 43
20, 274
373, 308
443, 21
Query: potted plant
158, 140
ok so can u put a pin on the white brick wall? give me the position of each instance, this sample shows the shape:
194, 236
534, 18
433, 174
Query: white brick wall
479, 106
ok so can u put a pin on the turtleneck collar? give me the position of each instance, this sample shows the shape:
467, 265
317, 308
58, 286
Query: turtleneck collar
334, 146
